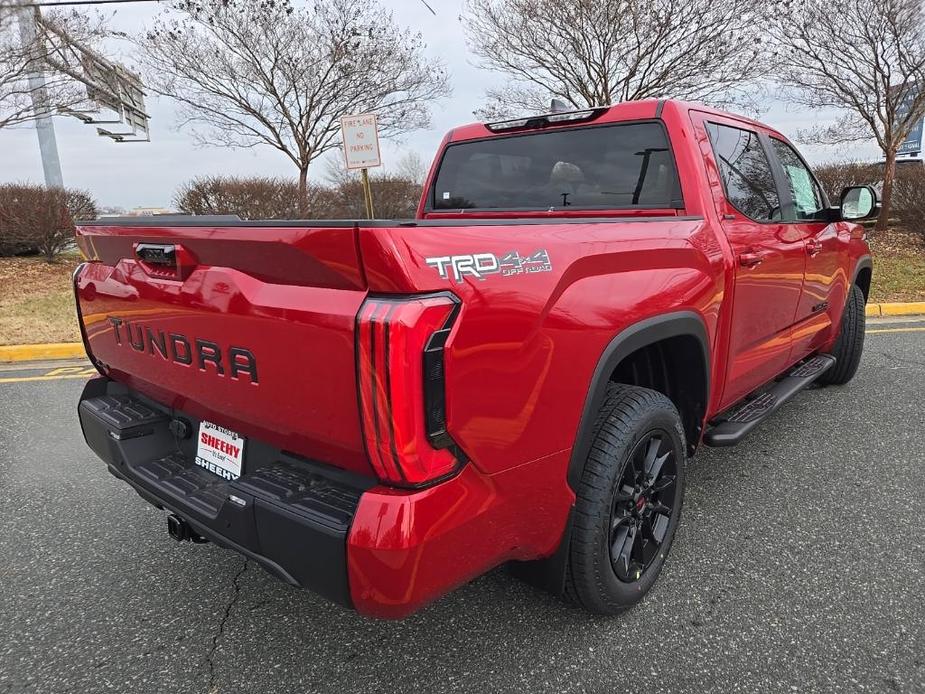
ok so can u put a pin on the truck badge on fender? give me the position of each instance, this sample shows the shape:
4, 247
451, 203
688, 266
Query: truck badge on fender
179, 349
478, 265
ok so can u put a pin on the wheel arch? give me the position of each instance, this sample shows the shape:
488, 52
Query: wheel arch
681, 338
863, 273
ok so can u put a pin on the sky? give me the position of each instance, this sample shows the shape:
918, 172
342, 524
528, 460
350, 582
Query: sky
133, 175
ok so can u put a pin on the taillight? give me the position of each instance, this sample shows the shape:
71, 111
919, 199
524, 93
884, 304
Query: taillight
400, 343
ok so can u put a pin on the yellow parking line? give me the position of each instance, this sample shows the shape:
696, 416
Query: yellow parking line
896, 330
54, 374
23, 379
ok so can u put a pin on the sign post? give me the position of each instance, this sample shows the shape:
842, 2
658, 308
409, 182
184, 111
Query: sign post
361, 150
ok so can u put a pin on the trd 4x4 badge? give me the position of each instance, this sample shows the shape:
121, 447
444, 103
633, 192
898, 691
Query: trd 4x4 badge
479, 265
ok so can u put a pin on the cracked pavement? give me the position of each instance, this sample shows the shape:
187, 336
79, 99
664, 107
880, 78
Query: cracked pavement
210, 659
799, 566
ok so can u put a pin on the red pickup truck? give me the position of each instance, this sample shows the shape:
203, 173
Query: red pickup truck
381, 411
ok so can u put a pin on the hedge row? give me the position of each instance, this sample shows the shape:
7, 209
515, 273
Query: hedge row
394, 197
39, 220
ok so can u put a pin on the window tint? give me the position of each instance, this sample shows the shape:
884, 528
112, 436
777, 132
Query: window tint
746, 172
612, 166
807, 198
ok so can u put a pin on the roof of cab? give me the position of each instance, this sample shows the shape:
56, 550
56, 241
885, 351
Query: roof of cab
627, 110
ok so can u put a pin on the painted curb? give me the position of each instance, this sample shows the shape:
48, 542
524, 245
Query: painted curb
912, 308
55, 350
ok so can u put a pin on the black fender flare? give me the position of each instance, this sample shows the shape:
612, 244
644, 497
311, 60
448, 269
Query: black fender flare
638, 335
865, 262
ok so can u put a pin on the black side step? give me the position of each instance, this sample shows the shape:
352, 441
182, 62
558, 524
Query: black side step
730, 428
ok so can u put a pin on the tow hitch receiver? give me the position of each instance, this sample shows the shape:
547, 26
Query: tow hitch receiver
181, 531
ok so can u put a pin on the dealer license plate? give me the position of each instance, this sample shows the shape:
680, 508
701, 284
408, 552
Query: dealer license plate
220, 451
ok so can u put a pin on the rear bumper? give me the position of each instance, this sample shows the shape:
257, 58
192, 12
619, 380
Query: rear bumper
288, 514
383, 551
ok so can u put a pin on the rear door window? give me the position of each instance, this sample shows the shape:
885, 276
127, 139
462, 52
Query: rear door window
607, 167
746, 171
807, 197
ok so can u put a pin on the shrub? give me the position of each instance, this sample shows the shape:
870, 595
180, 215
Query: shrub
35, 219
277, 198
249, 198
909, 197
837, 176
394, 197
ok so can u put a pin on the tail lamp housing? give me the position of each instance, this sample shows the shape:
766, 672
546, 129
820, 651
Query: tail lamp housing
400, 369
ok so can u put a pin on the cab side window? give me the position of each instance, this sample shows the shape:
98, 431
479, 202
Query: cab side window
746, 172
807, 198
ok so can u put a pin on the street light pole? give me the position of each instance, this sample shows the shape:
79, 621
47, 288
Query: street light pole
44, 126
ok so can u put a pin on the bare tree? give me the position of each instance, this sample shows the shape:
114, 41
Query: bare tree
865, 58
21, 57
412, 167
595, 52
248, 73
336, 172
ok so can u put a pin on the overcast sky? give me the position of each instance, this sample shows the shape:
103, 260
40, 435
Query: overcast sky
147, 174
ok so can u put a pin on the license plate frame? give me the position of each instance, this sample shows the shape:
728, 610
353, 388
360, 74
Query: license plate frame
220, 451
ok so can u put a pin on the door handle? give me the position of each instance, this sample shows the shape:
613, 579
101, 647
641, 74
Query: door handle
750, 259
813, 247
165, 260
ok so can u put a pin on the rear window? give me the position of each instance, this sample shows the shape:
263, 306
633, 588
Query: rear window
615, 166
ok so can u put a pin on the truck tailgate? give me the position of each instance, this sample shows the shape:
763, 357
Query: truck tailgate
250, 328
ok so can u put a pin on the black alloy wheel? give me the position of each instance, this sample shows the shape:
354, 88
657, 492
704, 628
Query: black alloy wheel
628, 500
642, 506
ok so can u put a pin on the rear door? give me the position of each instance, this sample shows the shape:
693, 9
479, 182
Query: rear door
824, 285
769, 255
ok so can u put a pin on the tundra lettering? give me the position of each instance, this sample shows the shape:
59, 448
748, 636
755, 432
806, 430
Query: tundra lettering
240, 361
518, 376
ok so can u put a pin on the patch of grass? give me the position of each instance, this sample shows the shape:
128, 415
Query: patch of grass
899, 266
36, 301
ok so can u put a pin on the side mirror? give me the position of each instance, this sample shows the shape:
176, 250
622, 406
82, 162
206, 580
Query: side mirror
859, 202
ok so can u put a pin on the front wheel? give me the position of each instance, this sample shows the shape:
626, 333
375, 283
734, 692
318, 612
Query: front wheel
850, 342
628, 501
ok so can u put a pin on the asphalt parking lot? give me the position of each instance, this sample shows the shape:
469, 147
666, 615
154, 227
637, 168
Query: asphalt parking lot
799, 566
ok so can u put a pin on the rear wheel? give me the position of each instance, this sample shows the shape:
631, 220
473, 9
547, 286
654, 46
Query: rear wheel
850, 342
628, 502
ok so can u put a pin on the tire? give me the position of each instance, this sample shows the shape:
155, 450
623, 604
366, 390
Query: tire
601, 575
850, 342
